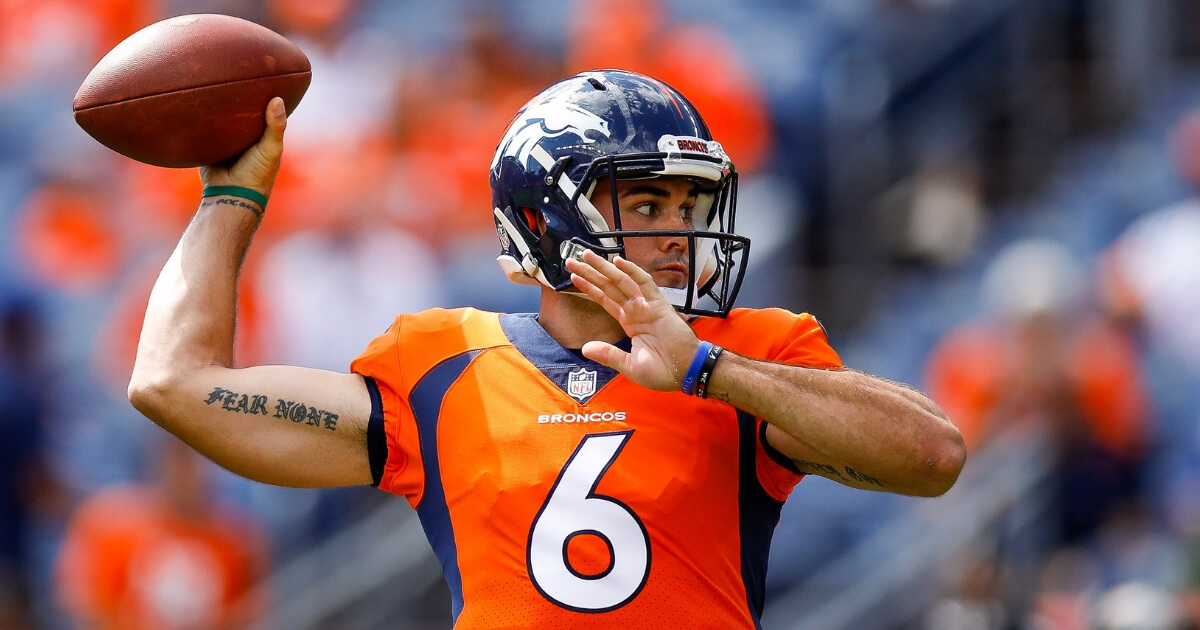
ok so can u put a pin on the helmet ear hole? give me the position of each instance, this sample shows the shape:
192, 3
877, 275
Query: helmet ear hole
534, 220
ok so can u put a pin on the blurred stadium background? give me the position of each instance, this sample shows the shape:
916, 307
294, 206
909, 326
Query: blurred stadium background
995, 200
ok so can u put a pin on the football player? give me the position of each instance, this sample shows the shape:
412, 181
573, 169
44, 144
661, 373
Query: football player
618, 459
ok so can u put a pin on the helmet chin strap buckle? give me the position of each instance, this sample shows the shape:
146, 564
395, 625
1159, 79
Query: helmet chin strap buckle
529, 265
515, 271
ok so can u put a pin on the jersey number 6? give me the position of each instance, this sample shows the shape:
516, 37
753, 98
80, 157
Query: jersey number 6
573, 509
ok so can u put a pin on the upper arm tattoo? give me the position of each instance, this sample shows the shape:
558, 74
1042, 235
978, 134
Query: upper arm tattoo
256, 404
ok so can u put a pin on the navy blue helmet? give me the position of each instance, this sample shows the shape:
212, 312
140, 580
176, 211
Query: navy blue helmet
595, 128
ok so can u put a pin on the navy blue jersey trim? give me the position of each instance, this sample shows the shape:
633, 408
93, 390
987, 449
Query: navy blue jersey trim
550, 358
758, 516
377, 448
426, 401
774, 453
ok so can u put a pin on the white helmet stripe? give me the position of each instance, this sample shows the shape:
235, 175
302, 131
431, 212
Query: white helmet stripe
513, 234
589, 211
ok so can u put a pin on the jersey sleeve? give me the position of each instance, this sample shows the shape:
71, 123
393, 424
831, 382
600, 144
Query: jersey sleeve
395, 459
805, 344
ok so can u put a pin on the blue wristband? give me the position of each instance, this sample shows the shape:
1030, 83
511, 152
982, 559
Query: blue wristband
689, 380
706, 370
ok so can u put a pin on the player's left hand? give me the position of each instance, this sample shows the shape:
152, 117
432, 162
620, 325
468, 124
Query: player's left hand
662, 343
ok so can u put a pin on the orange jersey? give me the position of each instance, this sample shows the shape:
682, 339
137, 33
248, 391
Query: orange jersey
558, 494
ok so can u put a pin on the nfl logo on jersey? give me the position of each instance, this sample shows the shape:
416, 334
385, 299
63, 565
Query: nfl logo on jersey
581, 384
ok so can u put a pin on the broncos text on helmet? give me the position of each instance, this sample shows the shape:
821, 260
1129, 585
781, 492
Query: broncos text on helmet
595, 128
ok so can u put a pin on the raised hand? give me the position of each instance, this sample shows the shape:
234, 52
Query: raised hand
257, 167
662, 343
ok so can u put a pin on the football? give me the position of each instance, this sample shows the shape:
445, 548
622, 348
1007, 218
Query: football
190, 90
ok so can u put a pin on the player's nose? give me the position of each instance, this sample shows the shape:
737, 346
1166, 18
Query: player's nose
676, 241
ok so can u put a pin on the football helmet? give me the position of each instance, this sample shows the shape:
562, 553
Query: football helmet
593, 129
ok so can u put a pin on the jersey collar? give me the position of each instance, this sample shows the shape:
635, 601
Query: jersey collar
552, 359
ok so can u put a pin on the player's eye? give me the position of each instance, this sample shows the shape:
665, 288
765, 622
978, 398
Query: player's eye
645, 209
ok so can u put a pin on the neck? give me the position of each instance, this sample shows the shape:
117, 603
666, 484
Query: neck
573, 321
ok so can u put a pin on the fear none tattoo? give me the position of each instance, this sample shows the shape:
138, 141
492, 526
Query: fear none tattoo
255, 405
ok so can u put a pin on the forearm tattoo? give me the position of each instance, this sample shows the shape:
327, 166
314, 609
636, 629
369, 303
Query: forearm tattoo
862, 478
235, 202
257, 405
832, 471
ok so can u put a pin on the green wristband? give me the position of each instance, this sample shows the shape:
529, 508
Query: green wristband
236, 191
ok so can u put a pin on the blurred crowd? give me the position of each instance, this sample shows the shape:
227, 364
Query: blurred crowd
893, 163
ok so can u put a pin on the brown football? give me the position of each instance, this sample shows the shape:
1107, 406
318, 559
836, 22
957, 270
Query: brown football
190, 90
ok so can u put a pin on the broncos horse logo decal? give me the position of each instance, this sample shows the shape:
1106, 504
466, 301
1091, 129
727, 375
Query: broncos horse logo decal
548, 121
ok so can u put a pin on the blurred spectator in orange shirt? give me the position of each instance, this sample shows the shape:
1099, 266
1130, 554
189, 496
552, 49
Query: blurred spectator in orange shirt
450, 108
160, 555
696, 58
1039, 357
40, 39
65, 238
156, 203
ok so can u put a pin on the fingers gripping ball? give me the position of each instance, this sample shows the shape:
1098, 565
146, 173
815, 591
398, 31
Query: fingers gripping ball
190, 90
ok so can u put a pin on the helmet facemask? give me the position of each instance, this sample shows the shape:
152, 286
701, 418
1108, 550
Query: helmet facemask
715, 254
